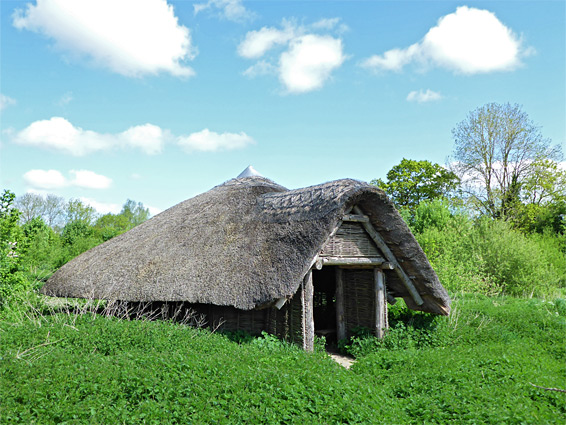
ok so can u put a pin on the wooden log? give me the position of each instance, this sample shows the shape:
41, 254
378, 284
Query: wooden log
380, 312
308, 316
340, 320
347, 261
356, 218
382, 245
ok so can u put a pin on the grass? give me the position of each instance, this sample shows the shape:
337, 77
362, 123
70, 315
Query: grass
72, 366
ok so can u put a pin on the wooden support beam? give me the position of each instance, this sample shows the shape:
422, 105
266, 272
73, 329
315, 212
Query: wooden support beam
380, 308
340, 320
382, 245
351, 261
391, 299
356, 218
308, 315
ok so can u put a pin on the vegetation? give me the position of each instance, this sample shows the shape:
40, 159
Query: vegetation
31, 249
498, 152
66, 364
411, 182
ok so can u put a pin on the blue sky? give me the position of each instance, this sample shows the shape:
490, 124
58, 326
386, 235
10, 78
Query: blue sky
158, 101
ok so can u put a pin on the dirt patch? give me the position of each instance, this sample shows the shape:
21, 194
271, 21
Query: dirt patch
342, 360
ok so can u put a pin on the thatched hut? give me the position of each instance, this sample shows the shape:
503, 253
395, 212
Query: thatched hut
260, 257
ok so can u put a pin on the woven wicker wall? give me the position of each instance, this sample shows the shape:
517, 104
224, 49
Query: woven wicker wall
359, 299
287, 323
351, 240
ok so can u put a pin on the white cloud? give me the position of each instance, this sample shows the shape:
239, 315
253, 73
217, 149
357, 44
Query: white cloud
102, 207
423, 96
307, 59
468, 41
45, 179
233, 10
53, 179
5, 101
209, 141
148, 138
89, 180
257, 43
129, 37
59, 134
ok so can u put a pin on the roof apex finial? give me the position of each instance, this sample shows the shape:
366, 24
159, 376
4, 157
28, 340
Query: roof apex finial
249, 172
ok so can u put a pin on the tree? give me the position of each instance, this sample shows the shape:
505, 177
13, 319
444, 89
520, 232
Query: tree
76, 210
497, 148
411, 182
135, 213
54, 210
31, 205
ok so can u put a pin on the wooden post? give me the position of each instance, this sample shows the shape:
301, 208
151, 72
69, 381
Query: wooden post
380, 312
381, 244
308, 317
340, 323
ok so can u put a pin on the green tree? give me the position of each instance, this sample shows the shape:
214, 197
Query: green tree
134, 212
497, 149
76, 210
411, 182
11, 236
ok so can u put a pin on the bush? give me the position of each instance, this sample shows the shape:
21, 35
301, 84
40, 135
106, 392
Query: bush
489, 256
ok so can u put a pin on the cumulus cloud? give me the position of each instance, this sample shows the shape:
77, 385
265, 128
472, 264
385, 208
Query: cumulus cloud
59, 134
209, 141
257, 43
233, 10
423, 96
5, 101
45, 179
89, 180
53, 179
305, 59
468, 41
309, 61
129, 37
148, 138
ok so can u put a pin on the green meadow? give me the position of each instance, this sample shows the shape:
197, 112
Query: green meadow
72, 364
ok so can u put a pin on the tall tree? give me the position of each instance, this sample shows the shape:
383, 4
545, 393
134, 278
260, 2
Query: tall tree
496, 149
30, 205
411, 182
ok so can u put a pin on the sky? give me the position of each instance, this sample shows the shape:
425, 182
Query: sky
158, 101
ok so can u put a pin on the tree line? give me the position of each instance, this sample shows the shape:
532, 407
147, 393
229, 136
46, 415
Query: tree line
39, 234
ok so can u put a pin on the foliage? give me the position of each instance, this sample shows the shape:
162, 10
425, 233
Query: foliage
12, 243
489, 257
59, 365
411, 182
499, 153
50, 233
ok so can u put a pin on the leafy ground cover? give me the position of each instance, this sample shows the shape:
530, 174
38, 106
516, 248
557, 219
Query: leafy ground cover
59, 366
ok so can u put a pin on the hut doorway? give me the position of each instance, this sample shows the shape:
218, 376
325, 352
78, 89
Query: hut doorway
324, 303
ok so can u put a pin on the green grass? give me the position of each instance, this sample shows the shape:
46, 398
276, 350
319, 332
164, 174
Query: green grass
475, 367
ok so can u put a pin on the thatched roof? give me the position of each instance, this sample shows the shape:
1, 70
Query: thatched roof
245, 243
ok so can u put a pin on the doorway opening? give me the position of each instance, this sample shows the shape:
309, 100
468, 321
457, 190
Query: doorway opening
324, 304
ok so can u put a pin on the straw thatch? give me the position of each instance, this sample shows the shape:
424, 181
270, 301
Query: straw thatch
245, 243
